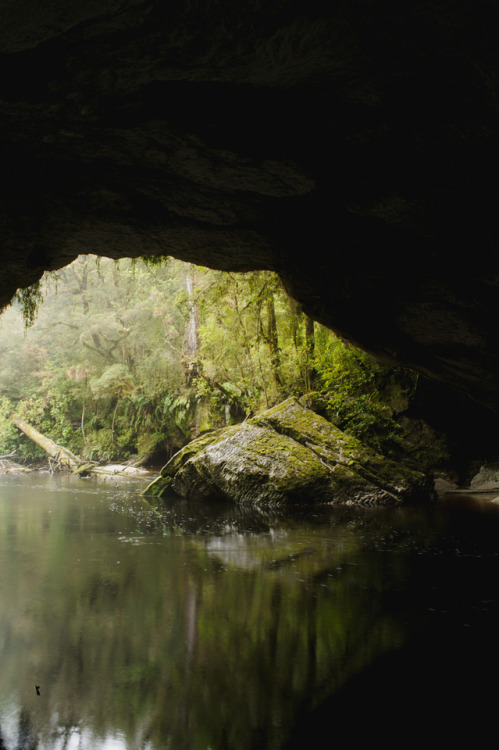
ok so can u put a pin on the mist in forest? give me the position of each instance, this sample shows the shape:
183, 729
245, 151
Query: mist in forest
132, 359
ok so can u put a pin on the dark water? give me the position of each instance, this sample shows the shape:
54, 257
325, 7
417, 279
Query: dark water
215, 627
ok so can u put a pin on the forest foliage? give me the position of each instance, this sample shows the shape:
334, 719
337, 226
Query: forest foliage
126, 359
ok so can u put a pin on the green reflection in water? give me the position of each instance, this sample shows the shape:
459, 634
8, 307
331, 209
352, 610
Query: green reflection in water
183, 630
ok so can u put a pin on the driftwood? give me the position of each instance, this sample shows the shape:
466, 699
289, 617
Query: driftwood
8, 455
9, 467
60, 455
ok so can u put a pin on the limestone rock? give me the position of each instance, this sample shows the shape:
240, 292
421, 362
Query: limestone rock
288, 454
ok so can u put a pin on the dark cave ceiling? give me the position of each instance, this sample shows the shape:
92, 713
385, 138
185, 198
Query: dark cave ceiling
351, 147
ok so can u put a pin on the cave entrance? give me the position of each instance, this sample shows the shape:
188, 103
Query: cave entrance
128, 360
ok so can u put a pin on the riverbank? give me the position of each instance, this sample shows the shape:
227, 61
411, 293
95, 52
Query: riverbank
10, 467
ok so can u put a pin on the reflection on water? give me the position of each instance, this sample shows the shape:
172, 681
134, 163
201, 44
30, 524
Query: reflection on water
197, 627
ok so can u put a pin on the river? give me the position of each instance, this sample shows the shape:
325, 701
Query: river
212, 627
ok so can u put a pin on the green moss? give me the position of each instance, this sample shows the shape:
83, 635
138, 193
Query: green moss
158, 487
286, 454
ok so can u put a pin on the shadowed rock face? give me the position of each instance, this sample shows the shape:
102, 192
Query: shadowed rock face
348, 146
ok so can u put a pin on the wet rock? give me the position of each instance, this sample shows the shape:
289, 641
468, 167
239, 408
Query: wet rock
288, 454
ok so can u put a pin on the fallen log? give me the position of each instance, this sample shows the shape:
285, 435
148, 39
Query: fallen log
61, 455
64, 457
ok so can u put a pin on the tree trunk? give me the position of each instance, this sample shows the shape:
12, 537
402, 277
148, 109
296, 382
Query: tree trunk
61, 455
190, 353
273, 340
191, 342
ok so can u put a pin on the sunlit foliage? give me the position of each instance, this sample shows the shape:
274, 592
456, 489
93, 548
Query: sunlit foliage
137, 357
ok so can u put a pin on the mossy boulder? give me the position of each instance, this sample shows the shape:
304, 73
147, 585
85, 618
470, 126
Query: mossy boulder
487, 479
288, 454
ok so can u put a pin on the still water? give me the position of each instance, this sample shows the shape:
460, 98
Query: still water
213, 627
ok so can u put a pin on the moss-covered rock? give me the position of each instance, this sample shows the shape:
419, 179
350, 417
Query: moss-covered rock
288, 454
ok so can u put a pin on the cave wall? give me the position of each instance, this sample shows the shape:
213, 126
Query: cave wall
351, 147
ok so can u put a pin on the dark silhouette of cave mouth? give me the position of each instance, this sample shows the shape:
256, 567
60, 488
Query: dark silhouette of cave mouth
350, 148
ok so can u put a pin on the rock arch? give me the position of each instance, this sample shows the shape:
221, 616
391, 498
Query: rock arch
348, 146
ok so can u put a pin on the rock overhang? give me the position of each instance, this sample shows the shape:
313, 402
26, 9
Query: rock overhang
350, 149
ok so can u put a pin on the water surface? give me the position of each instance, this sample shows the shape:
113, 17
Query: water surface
210, 626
